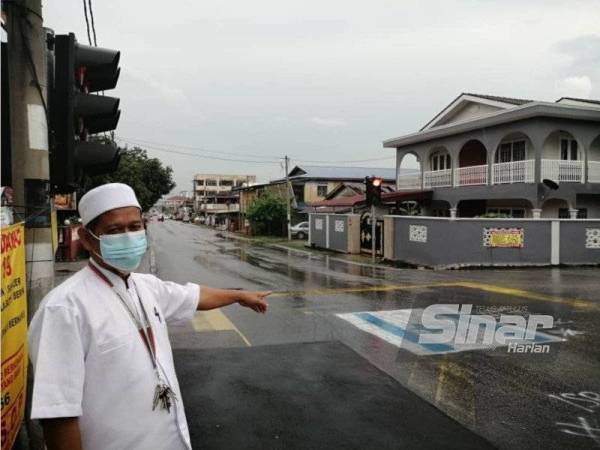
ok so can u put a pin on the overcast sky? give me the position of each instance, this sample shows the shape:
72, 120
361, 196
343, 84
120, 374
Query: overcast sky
324, 80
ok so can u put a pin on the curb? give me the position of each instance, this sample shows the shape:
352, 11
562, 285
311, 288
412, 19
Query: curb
295, 250
306, 253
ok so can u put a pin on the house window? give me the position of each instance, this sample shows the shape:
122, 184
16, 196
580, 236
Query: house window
211, 182
511, 151
226, 183
322, 190
199, 182
440, 161
568, 149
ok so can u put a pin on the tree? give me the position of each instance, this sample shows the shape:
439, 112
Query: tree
147, 176
267, 214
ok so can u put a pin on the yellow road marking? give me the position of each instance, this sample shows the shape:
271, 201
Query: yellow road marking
215, 320
576, 303
350, 290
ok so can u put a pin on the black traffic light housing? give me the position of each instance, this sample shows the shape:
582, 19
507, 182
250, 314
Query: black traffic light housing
373, 190
76, 112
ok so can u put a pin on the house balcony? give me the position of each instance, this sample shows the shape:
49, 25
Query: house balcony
219, 207
471, 175
513, 172
437, 178
563, 171
560, 171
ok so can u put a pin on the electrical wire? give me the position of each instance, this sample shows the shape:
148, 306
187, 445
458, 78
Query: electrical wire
142, 142
93, 24
87, 23
177, 152
184, 147
345, 162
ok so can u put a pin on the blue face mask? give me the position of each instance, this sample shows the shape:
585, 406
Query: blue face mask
123, 251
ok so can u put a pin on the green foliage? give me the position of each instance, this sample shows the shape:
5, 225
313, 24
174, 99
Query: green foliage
147, 176
409, 209
493, 216
267, 215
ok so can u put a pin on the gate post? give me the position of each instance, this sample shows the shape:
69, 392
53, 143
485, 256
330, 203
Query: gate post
327, 231
353, 234
389, 243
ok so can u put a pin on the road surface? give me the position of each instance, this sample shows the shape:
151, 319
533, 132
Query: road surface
324, 369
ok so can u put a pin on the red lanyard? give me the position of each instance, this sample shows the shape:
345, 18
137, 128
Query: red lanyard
147, 335
164, 396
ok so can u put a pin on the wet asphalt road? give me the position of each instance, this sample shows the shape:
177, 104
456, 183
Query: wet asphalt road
511, 400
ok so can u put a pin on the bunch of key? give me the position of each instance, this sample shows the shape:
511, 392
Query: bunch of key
164, 396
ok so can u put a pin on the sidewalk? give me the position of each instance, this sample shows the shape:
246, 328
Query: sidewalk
300, 247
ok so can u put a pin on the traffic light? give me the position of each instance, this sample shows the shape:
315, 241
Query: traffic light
373, 190
77, 110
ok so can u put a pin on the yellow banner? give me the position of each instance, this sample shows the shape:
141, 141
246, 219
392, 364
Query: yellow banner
506, 237
14, 332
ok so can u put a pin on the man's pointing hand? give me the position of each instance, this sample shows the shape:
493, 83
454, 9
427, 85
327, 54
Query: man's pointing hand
254, 300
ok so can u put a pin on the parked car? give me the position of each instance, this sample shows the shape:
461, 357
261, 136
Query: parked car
300, 230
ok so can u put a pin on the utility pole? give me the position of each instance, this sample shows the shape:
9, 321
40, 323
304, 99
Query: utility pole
27, 77
30, 173
288, 200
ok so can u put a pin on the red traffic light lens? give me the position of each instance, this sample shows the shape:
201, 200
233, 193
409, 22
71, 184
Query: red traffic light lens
377, 182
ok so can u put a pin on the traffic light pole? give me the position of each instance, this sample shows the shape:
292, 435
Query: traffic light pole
27, 77
373, 236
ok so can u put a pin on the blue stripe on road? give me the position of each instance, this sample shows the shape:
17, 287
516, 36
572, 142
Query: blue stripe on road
403, 333
413, 337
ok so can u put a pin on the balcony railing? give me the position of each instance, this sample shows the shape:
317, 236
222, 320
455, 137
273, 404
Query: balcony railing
503, 173
563, 171
409, 182
471, 176
219, 207
437, 178
513, 172
594, 171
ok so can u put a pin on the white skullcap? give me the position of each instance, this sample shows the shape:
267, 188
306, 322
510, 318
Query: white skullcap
104, 198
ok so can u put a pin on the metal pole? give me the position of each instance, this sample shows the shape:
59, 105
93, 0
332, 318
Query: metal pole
30, 171
27, 78
373, 229
288, 200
